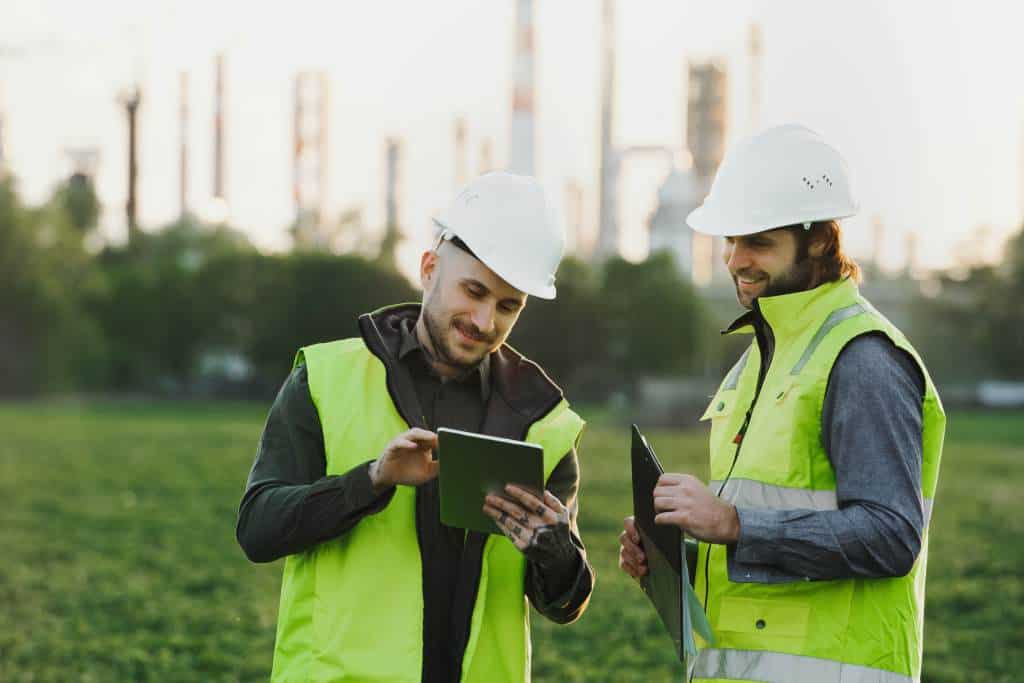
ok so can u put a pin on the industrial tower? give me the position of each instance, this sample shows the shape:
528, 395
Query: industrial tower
460, 154
705, 136
309, 160
609, 161
3, 149
521, 137
392, 233
131, 101
755, 51
183, 126
219, 197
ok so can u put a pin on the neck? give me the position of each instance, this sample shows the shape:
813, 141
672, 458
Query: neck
445, 371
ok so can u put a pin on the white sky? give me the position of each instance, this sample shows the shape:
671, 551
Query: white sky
924, 98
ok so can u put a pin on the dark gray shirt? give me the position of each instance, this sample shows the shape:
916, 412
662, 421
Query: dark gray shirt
871, 430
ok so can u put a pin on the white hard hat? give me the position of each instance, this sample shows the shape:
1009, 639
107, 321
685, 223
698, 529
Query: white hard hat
505, 221
785, 175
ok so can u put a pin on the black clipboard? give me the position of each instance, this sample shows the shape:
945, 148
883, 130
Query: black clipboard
667, 583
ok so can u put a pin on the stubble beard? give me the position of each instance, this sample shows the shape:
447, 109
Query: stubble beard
439, 335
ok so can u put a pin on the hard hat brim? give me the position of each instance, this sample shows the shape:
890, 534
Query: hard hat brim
541, 292
709, 222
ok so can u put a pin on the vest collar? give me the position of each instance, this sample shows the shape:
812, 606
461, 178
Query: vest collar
790, 314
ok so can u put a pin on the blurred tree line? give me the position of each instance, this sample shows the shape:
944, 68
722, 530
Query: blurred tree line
972, 325
194, 309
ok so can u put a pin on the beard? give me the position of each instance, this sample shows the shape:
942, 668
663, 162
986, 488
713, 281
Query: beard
796, 279
441, 332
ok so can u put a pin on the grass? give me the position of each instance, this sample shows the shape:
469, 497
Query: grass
120, 564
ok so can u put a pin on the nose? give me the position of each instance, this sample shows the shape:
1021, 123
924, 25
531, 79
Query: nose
735, 256
483, 317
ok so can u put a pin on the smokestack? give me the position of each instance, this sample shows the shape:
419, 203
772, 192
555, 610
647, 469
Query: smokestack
574, 213
521, 138
309, 169
3, 148
460, 153
877, 241
183, 125
218, 129
608, 227
486, 156
131, 101
755, 47
912, 264
392, 235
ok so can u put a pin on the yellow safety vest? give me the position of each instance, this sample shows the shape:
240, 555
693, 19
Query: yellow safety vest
839, 631
352, 608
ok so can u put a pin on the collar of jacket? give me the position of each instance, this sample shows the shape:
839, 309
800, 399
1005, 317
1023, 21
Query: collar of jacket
790, 314
520, 393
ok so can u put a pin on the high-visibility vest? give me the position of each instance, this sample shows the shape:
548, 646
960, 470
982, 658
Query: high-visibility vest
837, 631
352, 608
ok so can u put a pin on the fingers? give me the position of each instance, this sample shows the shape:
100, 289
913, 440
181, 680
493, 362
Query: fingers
512, 510
632, 550
629, 524
670, 479
512, 528
421, 437
663, 503
548, 509
674, 517
631, 567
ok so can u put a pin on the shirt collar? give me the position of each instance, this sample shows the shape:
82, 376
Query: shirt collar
410, 343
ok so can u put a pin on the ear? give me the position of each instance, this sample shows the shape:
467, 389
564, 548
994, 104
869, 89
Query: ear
428, 268
816, 249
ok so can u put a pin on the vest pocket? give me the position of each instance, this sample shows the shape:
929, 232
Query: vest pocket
723, 431
766, 624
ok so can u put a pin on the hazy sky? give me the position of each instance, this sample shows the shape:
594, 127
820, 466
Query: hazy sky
924, 98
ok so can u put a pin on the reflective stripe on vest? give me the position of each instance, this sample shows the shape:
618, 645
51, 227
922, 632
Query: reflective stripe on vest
733, 380
833, 319
757, 494
777, 667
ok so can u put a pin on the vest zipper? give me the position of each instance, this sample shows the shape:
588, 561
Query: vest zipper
766, 345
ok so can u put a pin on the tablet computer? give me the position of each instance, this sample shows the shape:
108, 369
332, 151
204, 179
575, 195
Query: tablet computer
473, 465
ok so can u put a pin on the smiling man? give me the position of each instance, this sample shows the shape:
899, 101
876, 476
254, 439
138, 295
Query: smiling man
825, 443
345, 487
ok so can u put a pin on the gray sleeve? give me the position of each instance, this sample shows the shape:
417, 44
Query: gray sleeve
561, 594
871, 430
289, 504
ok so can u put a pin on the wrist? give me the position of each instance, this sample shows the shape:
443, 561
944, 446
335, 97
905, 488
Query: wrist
733, 531
377, 479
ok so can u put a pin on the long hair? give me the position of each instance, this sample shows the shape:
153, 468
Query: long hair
834, 264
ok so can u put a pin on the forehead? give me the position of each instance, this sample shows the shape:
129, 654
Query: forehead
460, 265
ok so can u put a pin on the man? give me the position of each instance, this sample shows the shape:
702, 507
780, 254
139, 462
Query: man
345, 486
825, 443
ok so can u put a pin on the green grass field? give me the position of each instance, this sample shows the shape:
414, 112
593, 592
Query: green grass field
119, 561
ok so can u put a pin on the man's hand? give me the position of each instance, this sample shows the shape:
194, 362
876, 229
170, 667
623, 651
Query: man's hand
405, 460
632, 559
539, 529
686, 502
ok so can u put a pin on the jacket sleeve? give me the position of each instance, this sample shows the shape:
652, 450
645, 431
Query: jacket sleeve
871, 430
561, 594
290, 505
